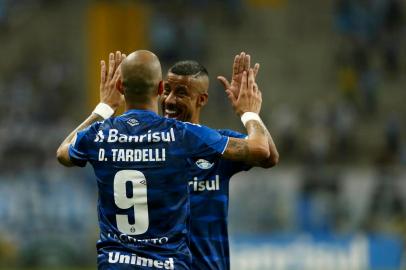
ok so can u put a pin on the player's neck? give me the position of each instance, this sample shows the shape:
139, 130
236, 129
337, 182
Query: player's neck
195, 118
151, 106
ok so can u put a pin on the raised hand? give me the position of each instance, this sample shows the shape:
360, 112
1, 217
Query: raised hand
108, 79
249, 97
242, 62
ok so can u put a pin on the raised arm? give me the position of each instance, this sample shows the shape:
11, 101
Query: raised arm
258, 149
110, 100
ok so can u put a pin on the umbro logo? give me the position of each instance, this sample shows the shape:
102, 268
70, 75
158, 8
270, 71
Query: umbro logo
133, 122
144, 182
204, 164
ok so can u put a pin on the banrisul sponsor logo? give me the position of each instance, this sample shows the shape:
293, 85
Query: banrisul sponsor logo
133, 259
204, 164
203, 185
114, 136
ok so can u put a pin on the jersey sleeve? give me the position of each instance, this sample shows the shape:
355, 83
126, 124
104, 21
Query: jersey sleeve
78, 151
229, 166
232, 133
203, 141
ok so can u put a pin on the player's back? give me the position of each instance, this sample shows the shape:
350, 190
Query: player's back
140, 160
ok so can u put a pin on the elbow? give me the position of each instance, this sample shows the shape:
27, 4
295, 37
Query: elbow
262, 156
267, 158
62, 158
59, 156
272, 161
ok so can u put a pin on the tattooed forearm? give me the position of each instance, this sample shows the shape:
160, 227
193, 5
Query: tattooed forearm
257, 150
251, 150
260, 128
63, 150
271, 143
256, 127
90, 120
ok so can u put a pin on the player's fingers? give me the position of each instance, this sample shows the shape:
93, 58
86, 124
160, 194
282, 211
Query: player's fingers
256, 69
117, 73
123, 56
243, 87
103, 71
247, 62
235, 64
111, 65
251, 80
231, 96
255, 88
224, 82
241, 62
118, 58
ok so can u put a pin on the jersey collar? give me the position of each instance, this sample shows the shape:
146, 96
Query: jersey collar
138, 112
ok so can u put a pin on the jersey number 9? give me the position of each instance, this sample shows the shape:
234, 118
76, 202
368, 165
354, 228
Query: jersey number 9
138, 201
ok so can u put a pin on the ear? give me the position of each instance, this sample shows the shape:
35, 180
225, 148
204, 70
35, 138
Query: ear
160, 88
202, 99
119, 86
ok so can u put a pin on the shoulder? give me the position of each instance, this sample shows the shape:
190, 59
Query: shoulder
200, 140
201, 131
100, 125
192, 128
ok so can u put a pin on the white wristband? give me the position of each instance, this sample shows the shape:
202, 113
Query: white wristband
103, 110
248, 116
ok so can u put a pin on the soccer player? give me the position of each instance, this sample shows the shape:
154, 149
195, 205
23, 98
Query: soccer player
185, 93
141, 162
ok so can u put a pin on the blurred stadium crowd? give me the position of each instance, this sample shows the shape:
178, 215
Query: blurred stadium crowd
334, 92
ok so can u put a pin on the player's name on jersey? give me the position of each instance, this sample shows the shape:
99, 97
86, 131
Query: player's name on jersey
133, 155
114, 136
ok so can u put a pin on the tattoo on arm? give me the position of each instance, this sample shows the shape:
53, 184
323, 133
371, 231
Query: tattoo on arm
256, 149
90, 120
256, 127
63, 150
238, 149
270, 140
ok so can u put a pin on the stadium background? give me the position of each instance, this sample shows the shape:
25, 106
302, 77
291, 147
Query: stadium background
333, 81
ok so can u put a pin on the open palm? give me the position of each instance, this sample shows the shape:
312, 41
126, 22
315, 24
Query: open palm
242, 62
